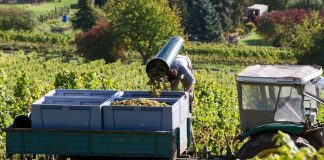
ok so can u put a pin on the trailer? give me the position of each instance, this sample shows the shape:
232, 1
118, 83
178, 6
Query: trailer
87, 144
82, 124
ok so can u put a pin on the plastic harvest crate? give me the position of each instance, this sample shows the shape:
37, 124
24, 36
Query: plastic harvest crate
82, 92
184, 111
64, 112
145, 118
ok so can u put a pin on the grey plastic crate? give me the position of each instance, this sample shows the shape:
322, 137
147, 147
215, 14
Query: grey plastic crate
59, 112
145, 94
145, 118
82, 92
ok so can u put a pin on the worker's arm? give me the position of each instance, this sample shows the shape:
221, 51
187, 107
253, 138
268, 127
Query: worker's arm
189, 78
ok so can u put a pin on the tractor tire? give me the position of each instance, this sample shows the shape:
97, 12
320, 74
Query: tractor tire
262, 146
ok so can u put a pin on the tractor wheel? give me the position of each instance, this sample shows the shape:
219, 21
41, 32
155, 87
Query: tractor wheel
262, 146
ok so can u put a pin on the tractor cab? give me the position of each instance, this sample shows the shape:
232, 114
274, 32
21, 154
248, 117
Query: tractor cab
279, 97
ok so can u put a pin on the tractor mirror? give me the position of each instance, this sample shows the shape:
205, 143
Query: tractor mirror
320, 87
316, 98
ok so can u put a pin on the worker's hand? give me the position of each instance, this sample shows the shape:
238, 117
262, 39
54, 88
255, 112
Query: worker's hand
189, 88
190, 96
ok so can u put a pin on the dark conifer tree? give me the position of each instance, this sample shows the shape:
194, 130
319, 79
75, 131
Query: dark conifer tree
86, 17
238, 11
225, 9
204, 22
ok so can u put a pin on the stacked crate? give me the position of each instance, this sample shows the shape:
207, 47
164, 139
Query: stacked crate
92, 109
71, 109
147, 118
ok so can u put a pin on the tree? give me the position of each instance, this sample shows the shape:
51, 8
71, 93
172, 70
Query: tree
145, 25
238, 13
86, 17
267, 27
100, 3
279, 26
224, 9
307, 33
181, 7
309, 38
17, 19
100, 43
306, 4
318, 50
204, 22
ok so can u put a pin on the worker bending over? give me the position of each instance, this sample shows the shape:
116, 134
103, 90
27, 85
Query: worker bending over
181, 70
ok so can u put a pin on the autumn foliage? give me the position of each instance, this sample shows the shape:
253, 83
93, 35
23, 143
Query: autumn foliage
279, 26
100, 42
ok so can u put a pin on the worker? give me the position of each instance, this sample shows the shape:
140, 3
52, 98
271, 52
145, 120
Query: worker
181, 70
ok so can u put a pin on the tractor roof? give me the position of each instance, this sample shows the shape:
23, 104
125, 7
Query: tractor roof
283, 74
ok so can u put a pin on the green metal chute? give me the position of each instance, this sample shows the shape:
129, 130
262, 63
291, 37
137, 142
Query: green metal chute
160, 65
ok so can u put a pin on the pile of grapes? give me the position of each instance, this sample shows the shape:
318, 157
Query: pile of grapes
156, 86
139, 102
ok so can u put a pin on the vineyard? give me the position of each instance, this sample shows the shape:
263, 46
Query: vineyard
34, 60
25, 78
199, 53
240, 54
224, 54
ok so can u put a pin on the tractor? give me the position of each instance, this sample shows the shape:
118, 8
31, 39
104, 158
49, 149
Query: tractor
279, 97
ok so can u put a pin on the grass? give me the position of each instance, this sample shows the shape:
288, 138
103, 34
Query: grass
41, 8
254, 39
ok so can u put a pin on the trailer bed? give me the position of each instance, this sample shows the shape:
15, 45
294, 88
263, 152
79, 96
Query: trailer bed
167, 144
